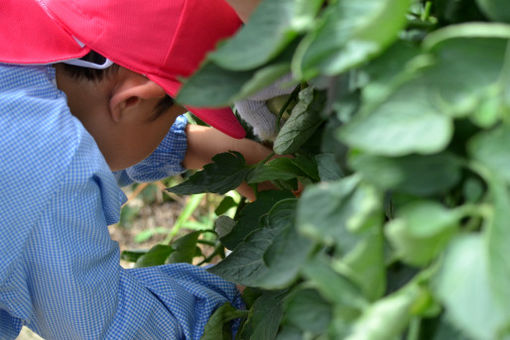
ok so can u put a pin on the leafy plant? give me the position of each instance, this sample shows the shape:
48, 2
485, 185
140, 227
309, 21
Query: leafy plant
401, 140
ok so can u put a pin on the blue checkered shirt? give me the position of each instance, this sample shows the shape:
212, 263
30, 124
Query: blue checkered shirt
59, 268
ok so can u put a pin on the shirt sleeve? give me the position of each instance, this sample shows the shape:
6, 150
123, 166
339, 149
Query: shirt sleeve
69, 284
164, 162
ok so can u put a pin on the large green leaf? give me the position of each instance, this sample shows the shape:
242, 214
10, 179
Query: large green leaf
185, 248
250, 215
226, 173
463, 286
405, 123
415, 117
364, 264
271, 256
264, 317
334, 287
156, 256
348, 216
304, 120
288, 251
498, 238
214, 86
273, 25
421, 231
328, 167
348, 34
218, 326
277, 169
497, 10
490, 149
331, 212
306, 309
387, 318
453, 85
414, 174
387, 72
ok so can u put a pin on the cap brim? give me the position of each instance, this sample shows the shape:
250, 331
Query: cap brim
223, 119
38, 39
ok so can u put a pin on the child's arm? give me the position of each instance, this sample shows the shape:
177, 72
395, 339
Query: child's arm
205, 142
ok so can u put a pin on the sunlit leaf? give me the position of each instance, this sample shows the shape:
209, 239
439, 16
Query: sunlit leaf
349, 34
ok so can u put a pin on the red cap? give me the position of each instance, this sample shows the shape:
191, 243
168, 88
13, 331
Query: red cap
166, 40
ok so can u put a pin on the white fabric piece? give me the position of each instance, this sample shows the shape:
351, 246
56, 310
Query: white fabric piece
255, 112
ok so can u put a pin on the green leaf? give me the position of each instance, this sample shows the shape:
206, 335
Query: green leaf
328, 167
307, 165
212, 86
284, 169
185, 248
333, 212
277, 169
387, 318
403, 124
264, 77
414, 117
334, 287
226, 203
203, 89
288, 251
273, 25
490, 149
497, 10
288, 332
264, 318
245, 265
389, 71
364, 264
497, 240
478, 314
348, 216
466, 88
306, 309
414, 174
349, 34
156, 256
223, 225
421, 231
218, 328
132, 255
302, 123
250, 215
270, 257
226, 173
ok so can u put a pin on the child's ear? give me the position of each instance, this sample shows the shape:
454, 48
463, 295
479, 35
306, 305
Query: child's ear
132, 94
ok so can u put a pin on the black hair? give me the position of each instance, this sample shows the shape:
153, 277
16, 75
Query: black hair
96, 75
91, 74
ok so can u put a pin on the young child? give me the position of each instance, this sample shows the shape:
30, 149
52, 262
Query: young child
63, 134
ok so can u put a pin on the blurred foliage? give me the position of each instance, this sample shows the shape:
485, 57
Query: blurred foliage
401, 140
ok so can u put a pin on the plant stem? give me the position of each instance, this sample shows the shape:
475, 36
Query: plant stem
426, 11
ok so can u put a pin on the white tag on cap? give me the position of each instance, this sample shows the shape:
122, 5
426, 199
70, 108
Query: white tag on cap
83, 63
86, 63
